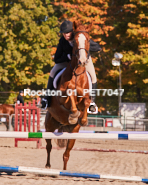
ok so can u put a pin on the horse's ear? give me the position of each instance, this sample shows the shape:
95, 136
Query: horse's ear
74, 26
88, 28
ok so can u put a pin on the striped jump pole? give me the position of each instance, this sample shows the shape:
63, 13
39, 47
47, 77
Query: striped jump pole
53, 172
65, 135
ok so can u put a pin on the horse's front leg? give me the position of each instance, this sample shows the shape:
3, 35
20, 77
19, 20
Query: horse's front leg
73, 116
70, 145
73, 104
66, 154
83, 120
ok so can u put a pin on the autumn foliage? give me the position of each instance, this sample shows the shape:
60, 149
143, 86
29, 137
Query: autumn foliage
29, 33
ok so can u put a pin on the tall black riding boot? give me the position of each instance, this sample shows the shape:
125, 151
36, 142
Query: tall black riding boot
47, 100
92, 108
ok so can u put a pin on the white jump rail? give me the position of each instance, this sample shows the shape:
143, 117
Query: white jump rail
65, 135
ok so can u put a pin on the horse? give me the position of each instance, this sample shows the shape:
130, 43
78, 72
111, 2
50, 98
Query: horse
7, 109
69, 113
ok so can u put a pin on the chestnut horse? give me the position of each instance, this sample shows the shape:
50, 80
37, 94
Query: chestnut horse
7, 109
69, 113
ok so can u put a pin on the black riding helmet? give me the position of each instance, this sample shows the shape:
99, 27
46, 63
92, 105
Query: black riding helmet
21, 91
66, 27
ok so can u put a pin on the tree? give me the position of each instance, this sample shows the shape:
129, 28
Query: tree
28, 34
93, 12
130, 38
118, 26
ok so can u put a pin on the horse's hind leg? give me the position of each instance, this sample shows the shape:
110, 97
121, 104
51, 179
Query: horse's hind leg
13, 122
50, 124
48, 148
66, 154
7, 123
70, 145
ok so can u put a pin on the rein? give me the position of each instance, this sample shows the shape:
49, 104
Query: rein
76, 75
73, 70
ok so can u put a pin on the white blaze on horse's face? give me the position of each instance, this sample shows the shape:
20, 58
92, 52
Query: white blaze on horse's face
82, 54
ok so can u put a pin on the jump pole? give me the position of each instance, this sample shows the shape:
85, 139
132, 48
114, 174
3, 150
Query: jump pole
65, 135
53, 172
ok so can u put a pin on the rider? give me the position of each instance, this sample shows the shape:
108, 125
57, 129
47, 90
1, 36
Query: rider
63, 57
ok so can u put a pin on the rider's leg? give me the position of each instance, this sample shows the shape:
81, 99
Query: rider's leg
91, 70
46, 101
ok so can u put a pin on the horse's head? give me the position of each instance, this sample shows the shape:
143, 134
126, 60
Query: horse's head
81, 43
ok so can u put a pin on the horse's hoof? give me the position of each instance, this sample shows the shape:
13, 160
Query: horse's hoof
47, 166
82, 122
75, 115
72, 121
73, 118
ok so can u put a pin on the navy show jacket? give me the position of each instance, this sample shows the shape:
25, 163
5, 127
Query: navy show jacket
64, 48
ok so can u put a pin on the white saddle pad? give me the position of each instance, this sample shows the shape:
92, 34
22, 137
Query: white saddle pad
57, 77
60, 73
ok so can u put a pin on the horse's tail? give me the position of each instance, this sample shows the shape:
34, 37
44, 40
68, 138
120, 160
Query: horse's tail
63, 142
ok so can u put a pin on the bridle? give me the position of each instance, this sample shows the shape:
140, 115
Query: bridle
75, 54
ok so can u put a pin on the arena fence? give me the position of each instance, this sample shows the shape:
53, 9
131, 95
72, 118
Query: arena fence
28, 117
136, 124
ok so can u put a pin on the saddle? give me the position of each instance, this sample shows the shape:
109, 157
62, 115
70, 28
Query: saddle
58, 75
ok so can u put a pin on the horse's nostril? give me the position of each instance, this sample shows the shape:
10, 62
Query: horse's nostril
79, 62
